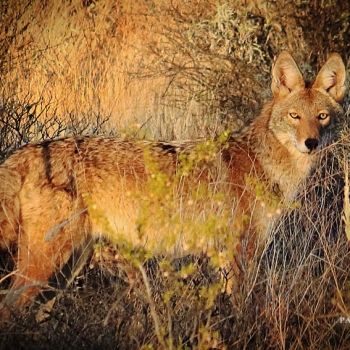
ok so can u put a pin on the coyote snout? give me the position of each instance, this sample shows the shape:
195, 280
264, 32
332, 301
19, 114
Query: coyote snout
310, 133
57, 195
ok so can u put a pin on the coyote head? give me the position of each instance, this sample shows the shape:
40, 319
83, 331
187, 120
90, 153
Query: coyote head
304, 118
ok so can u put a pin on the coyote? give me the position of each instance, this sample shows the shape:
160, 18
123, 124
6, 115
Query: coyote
57, 195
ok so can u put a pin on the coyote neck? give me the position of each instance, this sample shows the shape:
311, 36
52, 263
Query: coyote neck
283, 165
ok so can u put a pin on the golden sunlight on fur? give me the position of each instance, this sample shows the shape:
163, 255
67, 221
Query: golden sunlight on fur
57, 195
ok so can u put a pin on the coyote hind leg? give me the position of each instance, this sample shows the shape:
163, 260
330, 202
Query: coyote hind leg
41, 254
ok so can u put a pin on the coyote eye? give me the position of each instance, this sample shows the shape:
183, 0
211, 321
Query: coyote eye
323, 116
294, 115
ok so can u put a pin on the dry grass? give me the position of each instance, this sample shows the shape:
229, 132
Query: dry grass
161, 70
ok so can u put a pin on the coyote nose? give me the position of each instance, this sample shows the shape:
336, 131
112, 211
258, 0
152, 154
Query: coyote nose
311, 144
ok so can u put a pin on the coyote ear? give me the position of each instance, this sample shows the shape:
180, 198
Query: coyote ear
286, 75
331, 77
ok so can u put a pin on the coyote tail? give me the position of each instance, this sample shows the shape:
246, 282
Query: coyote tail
10, 186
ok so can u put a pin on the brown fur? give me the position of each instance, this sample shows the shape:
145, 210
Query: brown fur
54, 195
